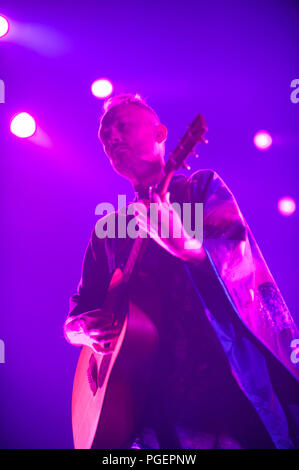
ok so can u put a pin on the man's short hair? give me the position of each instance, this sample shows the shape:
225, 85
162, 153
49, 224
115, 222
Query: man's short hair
128, 98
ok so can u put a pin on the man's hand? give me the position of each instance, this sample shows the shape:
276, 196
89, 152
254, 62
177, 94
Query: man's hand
166, 228
94, 329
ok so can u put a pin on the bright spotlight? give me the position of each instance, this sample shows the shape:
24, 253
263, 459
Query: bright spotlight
4, 26
286, 206
101, 88
262, 140
23, 125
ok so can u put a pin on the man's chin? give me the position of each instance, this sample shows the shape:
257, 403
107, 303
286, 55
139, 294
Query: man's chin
149, 173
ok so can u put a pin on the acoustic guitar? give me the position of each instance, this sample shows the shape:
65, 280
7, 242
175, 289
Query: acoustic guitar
110, 388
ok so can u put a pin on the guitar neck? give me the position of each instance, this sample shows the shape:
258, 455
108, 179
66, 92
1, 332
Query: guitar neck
140, 243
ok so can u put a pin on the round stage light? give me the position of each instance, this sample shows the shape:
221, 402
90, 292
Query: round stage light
262, 140
286, 206
23, 125
4, 26
101, 88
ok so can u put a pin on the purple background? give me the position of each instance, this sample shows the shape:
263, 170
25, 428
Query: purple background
232, 61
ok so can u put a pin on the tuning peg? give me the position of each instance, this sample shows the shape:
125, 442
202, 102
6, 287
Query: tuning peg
195, 154
185, 165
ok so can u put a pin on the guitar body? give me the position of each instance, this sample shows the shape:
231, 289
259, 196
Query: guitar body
110, 389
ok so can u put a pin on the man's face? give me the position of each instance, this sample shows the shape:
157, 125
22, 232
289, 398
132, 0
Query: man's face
133, 140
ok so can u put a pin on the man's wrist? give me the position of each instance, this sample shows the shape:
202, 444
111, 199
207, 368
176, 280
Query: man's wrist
194, 251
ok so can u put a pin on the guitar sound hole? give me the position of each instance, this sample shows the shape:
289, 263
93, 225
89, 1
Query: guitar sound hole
92, 374
103, 369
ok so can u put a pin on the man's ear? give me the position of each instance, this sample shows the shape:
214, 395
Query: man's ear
161, 134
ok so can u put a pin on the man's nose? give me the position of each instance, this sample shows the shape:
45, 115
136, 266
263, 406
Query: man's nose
114, 136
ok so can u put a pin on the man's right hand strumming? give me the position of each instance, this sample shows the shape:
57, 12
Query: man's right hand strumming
93, 328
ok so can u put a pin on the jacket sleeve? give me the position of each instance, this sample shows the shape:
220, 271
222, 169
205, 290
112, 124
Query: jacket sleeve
241, 271
225, 232
224, 235
85, 307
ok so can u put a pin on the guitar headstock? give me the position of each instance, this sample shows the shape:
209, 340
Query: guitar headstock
193, 136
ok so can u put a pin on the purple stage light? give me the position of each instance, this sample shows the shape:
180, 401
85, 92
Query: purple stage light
262, 140
23, 125
286, 206
101, 88
4, 26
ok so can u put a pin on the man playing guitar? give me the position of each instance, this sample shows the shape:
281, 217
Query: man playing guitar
212, 315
